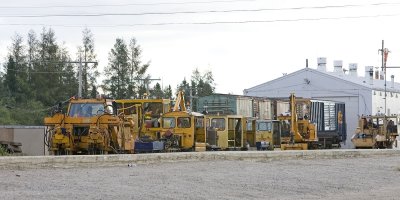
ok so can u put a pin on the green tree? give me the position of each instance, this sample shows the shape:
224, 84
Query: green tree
16, 77
33, 52
10, 81
52, 77
167, 92
5, 110
137, 71
157, 92
200, 85
117, 81
37, 75
204, 83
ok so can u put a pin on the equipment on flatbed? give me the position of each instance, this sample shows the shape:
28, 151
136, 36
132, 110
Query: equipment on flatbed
90, 126
297, 134
377, 132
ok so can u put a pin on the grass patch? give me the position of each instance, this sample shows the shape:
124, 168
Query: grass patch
3, 151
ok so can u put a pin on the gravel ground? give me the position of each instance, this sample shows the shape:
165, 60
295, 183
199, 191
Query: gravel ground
352, 178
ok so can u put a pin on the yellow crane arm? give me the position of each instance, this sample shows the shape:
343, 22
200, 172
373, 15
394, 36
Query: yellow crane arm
294, 129
180, 102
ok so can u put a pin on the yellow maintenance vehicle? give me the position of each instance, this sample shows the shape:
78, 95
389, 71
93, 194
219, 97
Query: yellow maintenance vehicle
146, 114
226, 132
263, 134
297, 134
89, 126
376, 132
183, 130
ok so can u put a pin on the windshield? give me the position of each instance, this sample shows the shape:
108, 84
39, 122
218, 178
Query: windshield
153, 109
264, 126
86, 109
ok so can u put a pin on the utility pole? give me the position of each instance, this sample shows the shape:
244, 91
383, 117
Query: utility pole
80, 78
80, 73
384, 52
146, 83
191, 97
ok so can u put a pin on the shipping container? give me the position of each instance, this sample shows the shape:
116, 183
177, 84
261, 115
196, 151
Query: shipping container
228, 104
330, 118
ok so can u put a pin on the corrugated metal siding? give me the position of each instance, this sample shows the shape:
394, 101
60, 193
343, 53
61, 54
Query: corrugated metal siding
222, 104
282, 108
265, 109
244, 106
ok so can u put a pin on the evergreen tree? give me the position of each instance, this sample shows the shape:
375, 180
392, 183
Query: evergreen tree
168, 92
200, 85
17, 71
117, 81
68, 78
157, 92
33, 56
204, 83
10, 81
37, 75
137, 71
53, 79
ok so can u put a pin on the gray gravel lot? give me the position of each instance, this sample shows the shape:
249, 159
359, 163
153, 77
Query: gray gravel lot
350, 178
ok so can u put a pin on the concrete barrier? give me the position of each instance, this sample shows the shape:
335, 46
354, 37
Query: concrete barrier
26, 162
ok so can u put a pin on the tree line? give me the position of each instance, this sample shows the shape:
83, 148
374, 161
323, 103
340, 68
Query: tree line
39, 72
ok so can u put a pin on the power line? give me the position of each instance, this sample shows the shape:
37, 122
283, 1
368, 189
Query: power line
193, 12
205, 23
124, 5
40, 72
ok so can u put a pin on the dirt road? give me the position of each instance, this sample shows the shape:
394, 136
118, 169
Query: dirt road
352, 178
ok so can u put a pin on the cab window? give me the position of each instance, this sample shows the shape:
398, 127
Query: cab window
168, 122
183, 122
218, 123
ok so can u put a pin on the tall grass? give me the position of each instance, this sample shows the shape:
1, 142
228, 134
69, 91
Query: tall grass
3, 151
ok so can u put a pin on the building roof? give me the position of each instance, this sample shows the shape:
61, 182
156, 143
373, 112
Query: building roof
359, 81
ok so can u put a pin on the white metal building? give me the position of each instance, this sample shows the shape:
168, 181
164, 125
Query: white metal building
363, 95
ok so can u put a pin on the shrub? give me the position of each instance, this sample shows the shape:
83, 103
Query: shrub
3, 151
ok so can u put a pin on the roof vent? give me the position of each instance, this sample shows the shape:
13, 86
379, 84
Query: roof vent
353, 69
367, 69
321, 64
337, 66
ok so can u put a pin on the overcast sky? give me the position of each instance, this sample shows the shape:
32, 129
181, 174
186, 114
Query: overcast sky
262, 40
